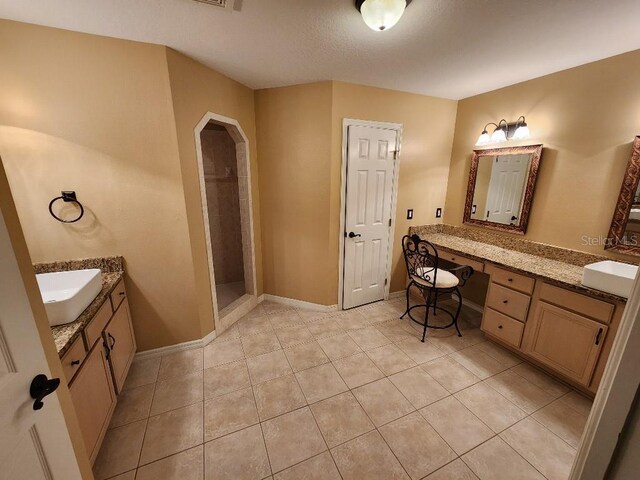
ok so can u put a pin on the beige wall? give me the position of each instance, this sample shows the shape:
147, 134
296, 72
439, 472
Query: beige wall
300, 150
114, 120
94, 114
195, 91
586, 118
294, 147
424, 160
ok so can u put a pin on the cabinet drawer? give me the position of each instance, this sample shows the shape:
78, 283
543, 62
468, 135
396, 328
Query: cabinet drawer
565, 341
118, 294
502, 327
458, 259
93, 331
93, 399
508, 301
587, 306
513, 280
73, 358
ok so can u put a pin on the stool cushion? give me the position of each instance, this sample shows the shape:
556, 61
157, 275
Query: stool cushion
444, 279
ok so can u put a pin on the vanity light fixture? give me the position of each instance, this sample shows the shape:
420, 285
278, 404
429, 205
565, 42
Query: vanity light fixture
380, 15
504, 131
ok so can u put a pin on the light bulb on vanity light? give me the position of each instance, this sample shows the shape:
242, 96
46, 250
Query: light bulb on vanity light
522, 130
484, 138
499, 135
380, 15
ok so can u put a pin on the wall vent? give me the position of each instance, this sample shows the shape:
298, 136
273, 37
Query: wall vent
225, 4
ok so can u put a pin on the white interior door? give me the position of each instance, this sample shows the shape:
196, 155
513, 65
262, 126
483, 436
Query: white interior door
34, 444
508, 175
371, 153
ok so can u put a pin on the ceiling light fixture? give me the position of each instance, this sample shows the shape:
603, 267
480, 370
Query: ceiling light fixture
504, 131
380, 15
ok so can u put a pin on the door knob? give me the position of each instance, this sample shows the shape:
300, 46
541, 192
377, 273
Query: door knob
41, 386
354, 235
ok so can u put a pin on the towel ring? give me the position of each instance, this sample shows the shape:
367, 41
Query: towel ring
66, 197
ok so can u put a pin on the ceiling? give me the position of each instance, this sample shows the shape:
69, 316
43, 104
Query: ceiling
446, 48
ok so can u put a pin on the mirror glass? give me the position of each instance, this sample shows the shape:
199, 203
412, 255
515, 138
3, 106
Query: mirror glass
500, 186
631, 234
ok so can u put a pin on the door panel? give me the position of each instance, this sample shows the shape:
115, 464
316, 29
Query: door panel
34, 444
508, 175
370, 165
552, 326
119, 336
93, 398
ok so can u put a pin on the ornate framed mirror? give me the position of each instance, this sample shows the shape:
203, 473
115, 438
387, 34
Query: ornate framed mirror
624, 233
501, 185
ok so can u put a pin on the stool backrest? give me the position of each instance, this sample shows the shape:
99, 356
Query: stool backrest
421, 258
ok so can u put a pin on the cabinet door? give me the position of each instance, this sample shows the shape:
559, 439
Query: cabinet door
565, 341
119, 337
93, 398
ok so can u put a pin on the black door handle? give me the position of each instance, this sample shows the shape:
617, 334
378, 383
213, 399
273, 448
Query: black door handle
354, 235
40, 387
113, 341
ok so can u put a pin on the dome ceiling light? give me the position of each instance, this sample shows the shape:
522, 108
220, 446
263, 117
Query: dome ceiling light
380, 15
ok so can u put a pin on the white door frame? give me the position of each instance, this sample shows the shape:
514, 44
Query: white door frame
244, 165
346, 123
614, 397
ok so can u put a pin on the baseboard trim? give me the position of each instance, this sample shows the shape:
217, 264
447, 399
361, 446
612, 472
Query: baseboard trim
472, 305
179, 347
398, 294
298, 303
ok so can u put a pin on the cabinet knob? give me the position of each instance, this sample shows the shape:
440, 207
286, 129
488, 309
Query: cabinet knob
505, 301
75, 362
509, 279
500, 327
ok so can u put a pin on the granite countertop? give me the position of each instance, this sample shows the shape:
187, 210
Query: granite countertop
556, 271
112, 273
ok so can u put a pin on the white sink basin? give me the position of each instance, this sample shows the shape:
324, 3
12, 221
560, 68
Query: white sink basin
611, 277
67, 294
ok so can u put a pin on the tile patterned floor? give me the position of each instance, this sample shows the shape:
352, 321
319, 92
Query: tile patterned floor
290, 394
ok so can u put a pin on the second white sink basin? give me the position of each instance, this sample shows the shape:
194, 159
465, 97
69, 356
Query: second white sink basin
67, 294
611, 277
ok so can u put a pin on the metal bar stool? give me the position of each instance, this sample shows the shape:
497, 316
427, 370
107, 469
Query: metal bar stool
421, 258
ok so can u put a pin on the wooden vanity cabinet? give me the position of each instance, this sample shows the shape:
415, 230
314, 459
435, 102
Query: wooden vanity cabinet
96, 378
94, 398
568, 333
122, 344
565, 341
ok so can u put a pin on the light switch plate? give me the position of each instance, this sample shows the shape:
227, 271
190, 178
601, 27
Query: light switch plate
410, 214
438, 212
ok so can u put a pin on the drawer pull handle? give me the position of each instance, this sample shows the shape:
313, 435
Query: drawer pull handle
505, 301
509, 279
500, 327
113, 341
121, 294
598, 335
75, 362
